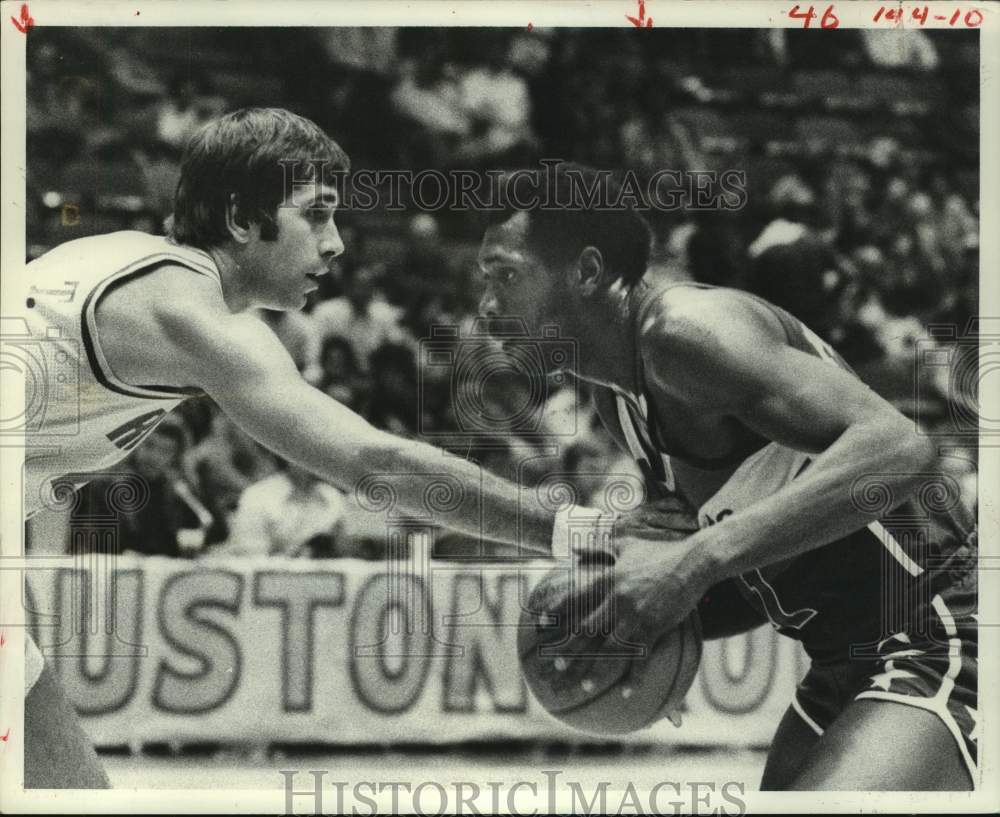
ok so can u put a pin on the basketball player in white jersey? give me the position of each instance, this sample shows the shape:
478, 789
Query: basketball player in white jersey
148, 321
733, 404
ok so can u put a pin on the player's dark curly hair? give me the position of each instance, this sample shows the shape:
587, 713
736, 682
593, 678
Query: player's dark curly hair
242, 153
559, 230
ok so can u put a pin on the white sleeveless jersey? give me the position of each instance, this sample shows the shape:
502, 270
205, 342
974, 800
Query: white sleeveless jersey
79, 417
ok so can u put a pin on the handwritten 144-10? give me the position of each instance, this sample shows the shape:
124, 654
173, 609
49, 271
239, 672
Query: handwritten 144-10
895, 15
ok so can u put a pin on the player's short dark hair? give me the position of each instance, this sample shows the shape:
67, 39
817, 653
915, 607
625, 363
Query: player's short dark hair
242, 153
559, 233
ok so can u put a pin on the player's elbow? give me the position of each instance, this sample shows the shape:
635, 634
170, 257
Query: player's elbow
922, 451
910, 451
381, 453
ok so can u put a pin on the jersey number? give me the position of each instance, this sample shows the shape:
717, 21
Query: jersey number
755, 581
128, 436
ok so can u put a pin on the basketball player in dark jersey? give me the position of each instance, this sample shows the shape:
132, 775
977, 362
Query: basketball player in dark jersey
819, 507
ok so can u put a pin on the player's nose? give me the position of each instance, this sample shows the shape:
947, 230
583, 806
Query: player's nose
331, 244
489, 306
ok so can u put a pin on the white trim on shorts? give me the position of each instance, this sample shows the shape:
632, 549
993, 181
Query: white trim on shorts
898, 553
939, 703
797, 706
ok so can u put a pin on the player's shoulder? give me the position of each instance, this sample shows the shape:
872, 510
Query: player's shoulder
688, 319
175, 321
169, 295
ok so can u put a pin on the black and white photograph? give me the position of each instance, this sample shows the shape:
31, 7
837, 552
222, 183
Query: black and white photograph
499, 408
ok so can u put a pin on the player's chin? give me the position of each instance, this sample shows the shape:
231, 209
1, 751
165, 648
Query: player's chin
310, 286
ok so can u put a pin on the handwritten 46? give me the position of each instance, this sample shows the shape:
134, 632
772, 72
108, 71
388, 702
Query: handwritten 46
828, 20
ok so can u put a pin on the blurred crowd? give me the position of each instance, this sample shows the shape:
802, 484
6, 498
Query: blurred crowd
861, 218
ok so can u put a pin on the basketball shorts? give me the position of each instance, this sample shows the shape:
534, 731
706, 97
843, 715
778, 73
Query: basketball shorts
932, 667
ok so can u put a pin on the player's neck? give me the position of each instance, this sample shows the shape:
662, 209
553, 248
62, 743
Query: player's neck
234, 292
606, 337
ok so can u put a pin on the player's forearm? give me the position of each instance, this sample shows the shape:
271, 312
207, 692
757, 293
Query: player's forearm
821, 505
308, 428
468, 499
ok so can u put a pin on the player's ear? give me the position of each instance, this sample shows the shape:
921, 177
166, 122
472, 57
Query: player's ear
589, 270
236, 220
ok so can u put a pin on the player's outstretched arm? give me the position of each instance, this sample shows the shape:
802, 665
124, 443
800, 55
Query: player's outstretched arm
240, 363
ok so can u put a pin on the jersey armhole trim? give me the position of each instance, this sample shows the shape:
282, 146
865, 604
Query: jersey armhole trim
91, 340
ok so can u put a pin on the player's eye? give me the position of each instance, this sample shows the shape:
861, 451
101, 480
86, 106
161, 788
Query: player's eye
318, 215
502, 276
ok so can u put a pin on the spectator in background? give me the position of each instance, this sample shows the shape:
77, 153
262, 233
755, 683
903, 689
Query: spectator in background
845, 205
160, 172
358, 75
290, 513
394, 404
496, 100
799, 275
909, 285
173, 522
427, 95
423, 268
899, 48
791, 265
341, 378
362, 315
188, 105
223, 464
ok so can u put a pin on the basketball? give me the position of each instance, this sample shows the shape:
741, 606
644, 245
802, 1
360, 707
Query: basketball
628, 686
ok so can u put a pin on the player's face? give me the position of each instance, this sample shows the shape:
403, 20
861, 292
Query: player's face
516, 282
307, 243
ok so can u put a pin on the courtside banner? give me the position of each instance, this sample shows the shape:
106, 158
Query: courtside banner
343, 651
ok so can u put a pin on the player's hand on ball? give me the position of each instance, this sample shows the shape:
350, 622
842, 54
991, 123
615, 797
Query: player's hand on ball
651, 588
665, 519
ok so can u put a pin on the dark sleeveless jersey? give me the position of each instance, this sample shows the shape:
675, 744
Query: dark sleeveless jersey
851, 592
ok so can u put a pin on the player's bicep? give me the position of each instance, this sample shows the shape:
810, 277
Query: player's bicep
731, 363
801, 401
245, 369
